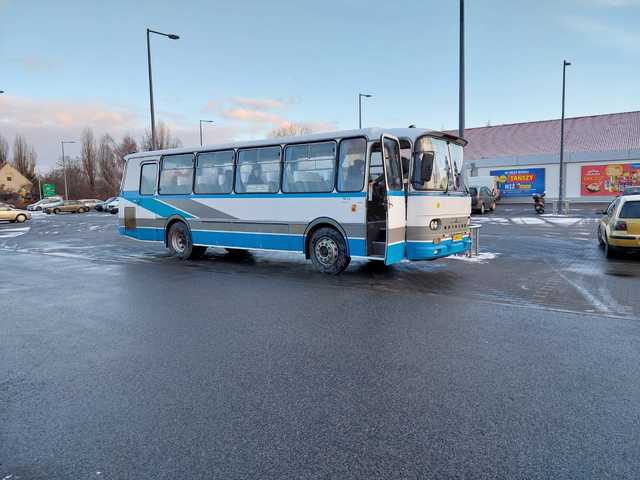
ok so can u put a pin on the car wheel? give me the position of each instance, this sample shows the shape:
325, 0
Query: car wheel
56, 211
600, 241
482, 209
21, 219
180, 243
609, 251
328, 251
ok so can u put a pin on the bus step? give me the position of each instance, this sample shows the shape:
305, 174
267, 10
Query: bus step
377, 249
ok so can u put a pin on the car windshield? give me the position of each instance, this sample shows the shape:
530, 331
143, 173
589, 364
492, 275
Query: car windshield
630, 210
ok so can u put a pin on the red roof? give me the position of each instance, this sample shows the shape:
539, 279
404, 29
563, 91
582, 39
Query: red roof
597, 133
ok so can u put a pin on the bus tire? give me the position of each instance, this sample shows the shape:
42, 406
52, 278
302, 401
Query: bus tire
180, 243
328, 251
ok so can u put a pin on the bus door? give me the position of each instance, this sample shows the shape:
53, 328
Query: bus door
396, 221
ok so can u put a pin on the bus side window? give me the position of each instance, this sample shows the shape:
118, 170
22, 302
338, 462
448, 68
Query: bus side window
176, 174
351, 164
148, 178
258, 170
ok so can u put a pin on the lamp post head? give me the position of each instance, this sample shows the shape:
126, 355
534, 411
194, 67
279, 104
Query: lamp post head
566, 64
365, 95
207, 121
173, 36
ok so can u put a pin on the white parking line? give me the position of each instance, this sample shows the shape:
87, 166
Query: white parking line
13, 232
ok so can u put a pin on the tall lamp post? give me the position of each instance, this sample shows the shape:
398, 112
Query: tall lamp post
153, 119
565, 64
64, 168
360, 95
461, 103
201, 122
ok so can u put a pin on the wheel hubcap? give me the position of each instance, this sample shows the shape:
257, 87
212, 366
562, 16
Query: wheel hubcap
178, 242
326, 251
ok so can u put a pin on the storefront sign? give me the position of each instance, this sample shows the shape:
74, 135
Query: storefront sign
521, 182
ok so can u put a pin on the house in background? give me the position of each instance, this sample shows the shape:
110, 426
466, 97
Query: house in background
13, 182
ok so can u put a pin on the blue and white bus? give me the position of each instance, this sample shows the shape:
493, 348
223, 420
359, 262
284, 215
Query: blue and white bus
330, 196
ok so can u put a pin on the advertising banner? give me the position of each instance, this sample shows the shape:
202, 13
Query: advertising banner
520, 182
608, 180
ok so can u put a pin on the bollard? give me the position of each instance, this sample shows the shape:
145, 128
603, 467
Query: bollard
474, 251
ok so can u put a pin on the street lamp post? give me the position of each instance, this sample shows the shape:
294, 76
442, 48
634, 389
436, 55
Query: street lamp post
565, 64
360, 95
461, 102
153, 119
64, 168
201, 122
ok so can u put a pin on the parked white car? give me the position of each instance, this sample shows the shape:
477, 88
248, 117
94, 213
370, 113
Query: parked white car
90, 202
112, 206
49, 202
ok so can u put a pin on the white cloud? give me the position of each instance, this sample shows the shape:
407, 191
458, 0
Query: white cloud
614, 3
605, 33
259, 104
46, 122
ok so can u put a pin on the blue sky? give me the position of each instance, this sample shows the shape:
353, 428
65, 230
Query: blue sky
252, 65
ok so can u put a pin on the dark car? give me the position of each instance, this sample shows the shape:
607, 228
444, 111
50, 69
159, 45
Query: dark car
482, 199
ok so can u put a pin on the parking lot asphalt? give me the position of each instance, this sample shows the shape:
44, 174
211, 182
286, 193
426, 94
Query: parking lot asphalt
117, 361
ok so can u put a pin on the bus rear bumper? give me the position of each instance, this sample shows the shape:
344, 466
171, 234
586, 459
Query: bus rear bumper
431, 251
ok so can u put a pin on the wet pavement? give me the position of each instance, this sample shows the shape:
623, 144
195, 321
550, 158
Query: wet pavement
117, 361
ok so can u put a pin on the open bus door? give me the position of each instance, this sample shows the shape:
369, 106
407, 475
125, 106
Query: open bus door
396, 201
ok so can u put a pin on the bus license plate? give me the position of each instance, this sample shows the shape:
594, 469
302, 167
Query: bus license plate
457, 237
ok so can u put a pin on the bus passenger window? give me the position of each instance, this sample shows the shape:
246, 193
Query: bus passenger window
258, 170
309, 168
351, 165
148, 178
214, 172
176, 175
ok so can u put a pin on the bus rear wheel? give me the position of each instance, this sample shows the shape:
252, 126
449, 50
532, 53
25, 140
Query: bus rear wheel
180, 243
328, 251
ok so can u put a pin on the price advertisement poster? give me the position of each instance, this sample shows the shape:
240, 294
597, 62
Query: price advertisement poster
608, 180
520, 182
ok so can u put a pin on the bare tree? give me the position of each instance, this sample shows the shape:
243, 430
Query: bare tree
89, 158
289, 130
108, 164
164, 139
24, 158
127, 146
4, 151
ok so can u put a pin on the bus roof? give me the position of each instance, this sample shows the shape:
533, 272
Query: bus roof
370, 133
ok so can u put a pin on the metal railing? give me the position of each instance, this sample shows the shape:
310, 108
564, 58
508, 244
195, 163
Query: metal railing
474, 251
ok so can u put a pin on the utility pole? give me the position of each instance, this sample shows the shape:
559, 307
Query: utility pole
360, 95
172, 36
461, 103
565, 64
64, 168
201, 122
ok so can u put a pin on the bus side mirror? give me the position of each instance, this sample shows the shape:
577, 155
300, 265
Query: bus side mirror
426, 166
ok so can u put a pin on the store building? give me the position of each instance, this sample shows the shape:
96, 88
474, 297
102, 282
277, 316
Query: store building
602, 155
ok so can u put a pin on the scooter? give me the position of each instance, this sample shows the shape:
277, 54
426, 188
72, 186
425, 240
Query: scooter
538, 202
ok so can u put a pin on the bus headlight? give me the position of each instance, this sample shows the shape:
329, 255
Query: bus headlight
434, 224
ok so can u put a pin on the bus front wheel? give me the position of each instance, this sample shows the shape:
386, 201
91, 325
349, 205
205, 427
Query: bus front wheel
328, 251
180, 243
